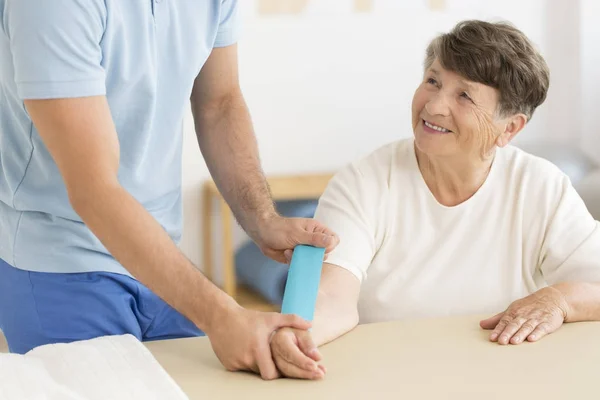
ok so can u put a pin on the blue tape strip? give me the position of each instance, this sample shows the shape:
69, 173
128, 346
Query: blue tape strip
302, 286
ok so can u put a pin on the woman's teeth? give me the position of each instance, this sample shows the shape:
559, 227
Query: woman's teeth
435, 127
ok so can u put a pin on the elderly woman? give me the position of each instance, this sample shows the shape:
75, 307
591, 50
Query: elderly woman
456, 221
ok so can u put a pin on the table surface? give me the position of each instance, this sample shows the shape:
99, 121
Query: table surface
448, 358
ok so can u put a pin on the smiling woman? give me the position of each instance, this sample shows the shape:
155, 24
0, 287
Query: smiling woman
457, 221
464, 92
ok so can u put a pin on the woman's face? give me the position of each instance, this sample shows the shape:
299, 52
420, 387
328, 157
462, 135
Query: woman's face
455, 117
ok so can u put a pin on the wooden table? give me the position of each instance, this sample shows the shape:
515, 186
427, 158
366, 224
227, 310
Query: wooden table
428, 359
292, 187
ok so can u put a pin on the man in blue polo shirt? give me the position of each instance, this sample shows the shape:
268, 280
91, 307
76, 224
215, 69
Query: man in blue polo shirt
92, 99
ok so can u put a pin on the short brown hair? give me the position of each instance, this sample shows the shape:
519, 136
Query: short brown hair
498, 55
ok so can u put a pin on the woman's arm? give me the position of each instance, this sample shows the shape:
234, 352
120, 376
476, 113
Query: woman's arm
572, 263
583, 300
571, 268
295, 351
336, 311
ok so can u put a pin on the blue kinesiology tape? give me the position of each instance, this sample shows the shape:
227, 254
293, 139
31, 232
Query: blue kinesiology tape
302, 284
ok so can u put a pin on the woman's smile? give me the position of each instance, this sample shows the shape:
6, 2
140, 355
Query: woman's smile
429, 127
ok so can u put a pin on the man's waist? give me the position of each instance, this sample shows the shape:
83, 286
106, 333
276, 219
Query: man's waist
45, 242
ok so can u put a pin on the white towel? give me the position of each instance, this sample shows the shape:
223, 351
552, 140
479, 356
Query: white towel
106, 368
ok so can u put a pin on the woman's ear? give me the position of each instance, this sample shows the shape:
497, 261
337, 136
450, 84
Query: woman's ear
513, 126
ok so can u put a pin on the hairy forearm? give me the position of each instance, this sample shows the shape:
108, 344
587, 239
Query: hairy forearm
140, 244
583, 299
228, 144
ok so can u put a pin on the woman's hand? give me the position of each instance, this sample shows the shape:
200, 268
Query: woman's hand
296, 355
241, 339
529, 318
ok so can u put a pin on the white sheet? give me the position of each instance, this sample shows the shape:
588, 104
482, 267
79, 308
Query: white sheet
106, 368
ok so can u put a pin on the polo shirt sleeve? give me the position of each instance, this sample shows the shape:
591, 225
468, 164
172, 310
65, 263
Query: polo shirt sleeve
571, 248
351, 206
229, 24
55, 47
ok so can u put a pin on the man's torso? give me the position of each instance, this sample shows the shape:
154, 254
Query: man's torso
151, 52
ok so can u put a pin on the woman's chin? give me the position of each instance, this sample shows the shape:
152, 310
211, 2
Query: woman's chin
432, 144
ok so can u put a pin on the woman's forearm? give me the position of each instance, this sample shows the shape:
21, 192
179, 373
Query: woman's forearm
326, 330
583, 299
336, 311
332, 319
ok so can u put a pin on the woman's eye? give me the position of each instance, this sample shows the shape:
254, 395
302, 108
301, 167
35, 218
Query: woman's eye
465, 95
432, 81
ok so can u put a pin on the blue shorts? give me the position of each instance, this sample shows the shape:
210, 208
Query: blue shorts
40, 308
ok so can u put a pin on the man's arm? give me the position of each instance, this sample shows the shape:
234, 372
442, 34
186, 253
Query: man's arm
227, 140
228, 144
336, 313
81, 137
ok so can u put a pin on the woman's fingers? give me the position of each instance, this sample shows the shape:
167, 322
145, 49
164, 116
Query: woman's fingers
540, 331
529, 318
292, 371
525, 330
286, 347
510, 329
521, 328
504, 321
491, 322
288, 359
292, 350
307, 346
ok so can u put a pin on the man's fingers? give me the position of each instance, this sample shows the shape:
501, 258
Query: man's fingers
491, 322
332, 239
336, 238
313, 233
290, 320
327, 240
316, 226
266, 365
288, 255
332, 243
317, 239
307, 346
277, 256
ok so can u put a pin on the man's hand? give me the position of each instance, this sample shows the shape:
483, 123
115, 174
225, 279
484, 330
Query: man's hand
240, 339
277, 236
296, 355
529, 318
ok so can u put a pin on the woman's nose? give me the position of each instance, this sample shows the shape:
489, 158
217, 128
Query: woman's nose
437, 105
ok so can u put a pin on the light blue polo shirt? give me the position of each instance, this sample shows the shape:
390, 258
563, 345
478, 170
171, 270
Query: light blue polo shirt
144, 56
